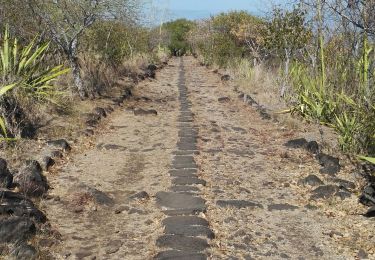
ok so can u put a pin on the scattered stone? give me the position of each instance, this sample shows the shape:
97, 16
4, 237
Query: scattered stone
111, 147
57, 154
176, 203
140, 196
330, 170
223, 99
296, 143
282, 207
180, 255
370, 212
177, 242
15, 204
311, 180
25, 252
113, 246
100, 112
238, 204
47, 162
6, 178
344, 184
343, 195
362, 254
150, 71
312, 147
327, 160
143, 112
225, 78
16, 229
61, 144
30, 179
367, 197
324, 192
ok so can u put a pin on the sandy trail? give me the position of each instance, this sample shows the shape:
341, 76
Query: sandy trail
255, 205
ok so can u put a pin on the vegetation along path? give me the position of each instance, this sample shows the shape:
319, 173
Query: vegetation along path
189, 171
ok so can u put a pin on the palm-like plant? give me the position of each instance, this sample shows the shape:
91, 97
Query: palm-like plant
23, 70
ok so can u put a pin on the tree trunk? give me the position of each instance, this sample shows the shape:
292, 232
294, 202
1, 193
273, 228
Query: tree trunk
76, 70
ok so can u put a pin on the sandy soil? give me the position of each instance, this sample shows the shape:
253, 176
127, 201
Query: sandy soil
241, 157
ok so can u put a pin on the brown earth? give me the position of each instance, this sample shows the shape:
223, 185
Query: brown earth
242, 157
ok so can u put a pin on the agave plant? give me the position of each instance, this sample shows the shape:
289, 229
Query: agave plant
23, 70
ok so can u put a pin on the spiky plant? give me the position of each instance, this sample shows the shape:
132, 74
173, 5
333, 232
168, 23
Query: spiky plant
23, 72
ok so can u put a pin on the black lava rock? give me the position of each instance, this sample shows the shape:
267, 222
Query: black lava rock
100, 112
311, 180
296, 143
16, 229
6, 178
312, 147
225, 78
61, 143
324, 192
331, 165
25, 252
143, 112
15, 204
30, 179
367, 197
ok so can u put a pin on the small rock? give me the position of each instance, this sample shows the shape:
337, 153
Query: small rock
30, 179
143, 112
343, 195
282, 207
16, 229
296, 143
327, 160
61, 144
344, 184
15, 204
370, 212
46, 162
57, 154
225, 78
140, 196
100, 112
312, 147
6, 178
25, 252
324, 192
330, 170
223, 99
362, 254
311, 180
113, 246
238, 204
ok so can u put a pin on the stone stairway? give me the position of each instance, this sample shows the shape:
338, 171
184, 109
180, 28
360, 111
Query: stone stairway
186, 236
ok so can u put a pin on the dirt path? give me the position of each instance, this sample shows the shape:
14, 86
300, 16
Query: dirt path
221, 183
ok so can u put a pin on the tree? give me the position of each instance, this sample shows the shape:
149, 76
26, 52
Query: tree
66, 21
286, 34
178, 35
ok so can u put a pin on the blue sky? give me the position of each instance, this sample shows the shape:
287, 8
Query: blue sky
199, 9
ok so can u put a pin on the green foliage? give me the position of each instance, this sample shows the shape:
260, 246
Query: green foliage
287, 33
23, 70
312, 101
369, 159
228, 36
178, 32
114, 41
